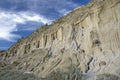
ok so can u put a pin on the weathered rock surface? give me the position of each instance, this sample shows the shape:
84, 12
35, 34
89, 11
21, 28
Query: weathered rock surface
88, 38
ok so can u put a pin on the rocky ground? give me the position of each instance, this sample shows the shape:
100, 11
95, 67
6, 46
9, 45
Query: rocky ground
88, 38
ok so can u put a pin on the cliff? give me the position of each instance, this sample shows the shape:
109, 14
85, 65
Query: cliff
88, 38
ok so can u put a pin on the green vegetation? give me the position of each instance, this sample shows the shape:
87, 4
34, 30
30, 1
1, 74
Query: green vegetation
14, 75
72, 74
107, 77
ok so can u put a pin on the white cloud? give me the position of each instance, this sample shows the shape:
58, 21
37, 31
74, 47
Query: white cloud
63, 11
43, 6
10, 20
6, 32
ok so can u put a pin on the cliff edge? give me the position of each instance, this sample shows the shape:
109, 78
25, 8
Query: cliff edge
87, 38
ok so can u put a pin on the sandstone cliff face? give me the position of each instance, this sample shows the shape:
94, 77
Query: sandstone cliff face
88, 38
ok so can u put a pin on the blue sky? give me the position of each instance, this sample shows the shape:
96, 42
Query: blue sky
19, 18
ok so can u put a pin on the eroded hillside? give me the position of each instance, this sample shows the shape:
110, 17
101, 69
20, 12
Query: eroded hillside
87, 38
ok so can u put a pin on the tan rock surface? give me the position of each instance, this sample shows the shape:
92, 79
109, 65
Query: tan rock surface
88, 37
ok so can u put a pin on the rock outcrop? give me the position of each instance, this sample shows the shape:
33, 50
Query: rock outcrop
88, 38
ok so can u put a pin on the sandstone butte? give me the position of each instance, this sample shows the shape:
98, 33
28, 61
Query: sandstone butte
88, 38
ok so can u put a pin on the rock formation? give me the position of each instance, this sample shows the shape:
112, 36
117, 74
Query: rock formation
88, 38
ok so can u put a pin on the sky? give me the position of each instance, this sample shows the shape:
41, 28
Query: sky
19, 18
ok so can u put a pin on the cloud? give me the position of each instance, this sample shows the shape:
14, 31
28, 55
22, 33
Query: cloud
24, 11
64, 11
6, 32
49, 8
19, 12
9, 23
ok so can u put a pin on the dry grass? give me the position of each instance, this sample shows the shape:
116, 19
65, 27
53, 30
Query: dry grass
107, 77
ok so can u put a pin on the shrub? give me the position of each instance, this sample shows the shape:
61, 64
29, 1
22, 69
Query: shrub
72, 74
14, 75
107, 77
